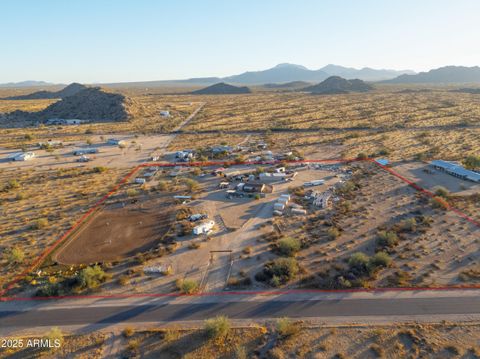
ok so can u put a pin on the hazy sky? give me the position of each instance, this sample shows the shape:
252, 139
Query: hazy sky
133, 40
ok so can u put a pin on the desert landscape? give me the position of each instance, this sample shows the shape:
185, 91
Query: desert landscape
198, 180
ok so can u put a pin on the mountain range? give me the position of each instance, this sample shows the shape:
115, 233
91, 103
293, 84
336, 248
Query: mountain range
285, 73
445, 75
26, 84
70, 90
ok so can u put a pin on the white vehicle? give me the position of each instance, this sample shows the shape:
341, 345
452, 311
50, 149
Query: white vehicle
140, 180
224, 185
83, 159
24, 156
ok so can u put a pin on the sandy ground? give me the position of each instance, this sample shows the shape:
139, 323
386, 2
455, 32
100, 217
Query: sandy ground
119, 231
240, 224
416, 172
138, 150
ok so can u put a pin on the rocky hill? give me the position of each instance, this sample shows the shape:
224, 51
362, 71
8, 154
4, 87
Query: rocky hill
91, 103
222, 89
338, 85
70, 90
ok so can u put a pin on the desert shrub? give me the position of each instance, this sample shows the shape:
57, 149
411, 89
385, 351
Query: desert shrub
472, 162
162, 186
333, 233
40, 223
399, 278
11, 184
386, 239
191, 184
441, 191
380, 259
247, 250
359, 261
187, 286
123, 280
409, 225
128, 332
15, 255
20, 196
55, 336
283, 268
217, 327
286, 328
91, 277
289, 246
362, 156
99, 169
384, 152
132, 192
439, 202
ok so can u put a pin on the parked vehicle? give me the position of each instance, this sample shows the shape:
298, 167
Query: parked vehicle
83, 158
197, 217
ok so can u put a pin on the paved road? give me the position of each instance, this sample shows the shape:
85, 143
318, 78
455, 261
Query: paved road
347, 306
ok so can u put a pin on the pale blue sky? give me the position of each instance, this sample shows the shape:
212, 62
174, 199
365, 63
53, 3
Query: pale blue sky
134, 40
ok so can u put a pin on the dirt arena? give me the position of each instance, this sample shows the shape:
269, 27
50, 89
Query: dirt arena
118, 231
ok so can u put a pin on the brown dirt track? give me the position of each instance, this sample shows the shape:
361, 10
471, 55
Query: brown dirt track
118, 232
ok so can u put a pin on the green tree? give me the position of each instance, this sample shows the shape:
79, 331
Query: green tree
91, 277
289, 246
218, 327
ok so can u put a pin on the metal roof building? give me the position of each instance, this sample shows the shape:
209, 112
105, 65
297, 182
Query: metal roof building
455, 169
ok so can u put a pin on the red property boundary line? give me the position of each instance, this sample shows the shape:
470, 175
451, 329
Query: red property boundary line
96, 205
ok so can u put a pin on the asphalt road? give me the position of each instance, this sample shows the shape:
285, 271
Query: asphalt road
172, 312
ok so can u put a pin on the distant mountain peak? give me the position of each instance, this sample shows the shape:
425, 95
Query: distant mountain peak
288, 65
222, 88
338, 85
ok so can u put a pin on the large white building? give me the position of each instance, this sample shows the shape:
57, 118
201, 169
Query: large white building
455, 169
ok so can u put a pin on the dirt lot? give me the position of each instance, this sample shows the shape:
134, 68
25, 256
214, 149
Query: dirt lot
426, 177
429, 246
138, 149
119, 231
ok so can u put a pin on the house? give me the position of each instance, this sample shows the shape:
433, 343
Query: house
272, 177
165, 113
50, 144
321, 200
456, 170
204, 228
74, 121
61, 121
23, 156
222, 149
